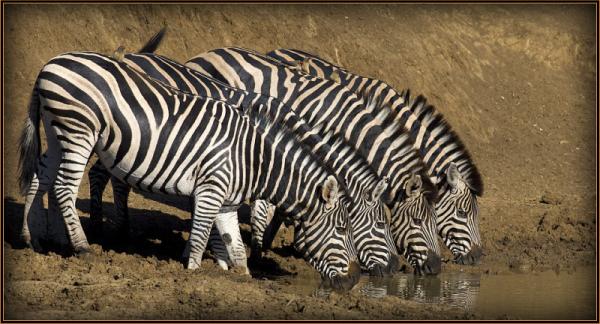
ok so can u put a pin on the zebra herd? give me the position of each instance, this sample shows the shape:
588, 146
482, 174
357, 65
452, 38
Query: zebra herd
365, 173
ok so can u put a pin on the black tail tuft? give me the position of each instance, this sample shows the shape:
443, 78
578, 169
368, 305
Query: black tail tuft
154, 42
29, 144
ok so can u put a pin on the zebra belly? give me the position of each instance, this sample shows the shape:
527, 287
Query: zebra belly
180, 183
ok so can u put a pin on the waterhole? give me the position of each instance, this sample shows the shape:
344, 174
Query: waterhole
543, 295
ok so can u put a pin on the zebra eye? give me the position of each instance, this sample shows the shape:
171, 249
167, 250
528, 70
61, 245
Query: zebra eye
380, 225
461, 213
417, 221
341, 229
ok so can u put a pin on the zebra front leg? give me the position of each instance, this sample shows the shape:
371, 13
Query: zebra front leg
261, 214
208, 199
229, 229
218, 248
271, 230
98, 177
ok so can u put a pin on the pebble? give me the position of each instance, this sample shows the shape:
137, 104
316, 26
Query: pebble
551, 199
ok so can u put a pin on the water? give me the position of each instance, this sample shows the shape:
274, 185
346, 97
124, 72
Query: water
546, 295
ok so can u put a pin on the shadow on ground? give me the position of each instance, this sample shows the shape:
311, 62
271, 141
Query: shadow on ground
152, 234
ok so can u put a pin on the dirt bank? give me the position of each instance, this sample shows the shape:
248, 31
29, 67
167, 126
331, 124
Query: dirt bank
517, 82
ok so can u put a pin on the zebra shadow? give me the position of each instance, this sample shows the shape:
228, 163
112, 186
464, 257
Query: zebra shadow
152, 233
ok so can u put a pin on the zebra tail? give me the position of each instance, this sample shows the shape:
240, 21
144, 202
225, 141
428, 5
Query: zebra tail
29, 144
154, 42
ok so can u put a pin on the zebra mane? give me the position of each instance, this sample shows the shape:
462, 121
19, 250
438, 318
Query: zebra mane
435, 123
334, 145
400, 137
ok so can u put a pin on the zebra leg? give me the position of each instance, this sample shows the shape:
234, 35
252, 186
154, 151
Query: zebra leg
261, 214
271, 230
119, 223
98, 176
34, 222
219, 249
32, 218
228, 227
208, 199
76, 151
56, 232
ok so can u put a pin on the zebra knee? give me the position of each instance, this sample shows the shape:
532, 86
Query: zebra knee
226, 238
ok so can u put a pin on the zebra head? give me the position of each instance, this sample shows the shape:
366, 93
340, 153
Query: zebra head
325, 238
458, 218
413, 226
369, 218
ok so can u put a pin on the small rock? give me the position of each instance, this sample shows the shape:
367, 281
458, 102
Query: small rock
551, 199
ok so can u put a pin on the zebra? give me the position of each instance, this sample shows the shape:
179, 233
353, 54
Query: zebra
377, 252
318, 100
376, 249
193, 146
447, 159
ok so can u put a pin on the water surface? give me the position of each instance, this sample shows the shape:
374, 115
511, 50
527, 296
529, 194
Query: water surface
546, 295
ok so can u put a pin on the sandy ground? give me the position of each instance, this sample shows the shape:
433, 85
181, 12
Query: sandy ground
517, 82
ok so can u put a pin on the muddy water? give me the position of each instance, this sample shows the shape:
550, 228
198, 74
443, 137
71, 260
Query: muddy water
546, 295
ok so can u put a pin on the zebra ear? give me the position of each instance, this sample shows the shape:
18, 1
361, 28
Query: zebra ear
335, 76
413, 185
304, 65
330, 190
452, 175
379, 189
388, 214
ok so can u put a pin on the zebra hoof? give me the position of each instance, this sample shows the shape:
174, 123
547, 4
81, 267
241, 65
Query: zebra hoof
255, 254
82, 252
193, 264
223, 264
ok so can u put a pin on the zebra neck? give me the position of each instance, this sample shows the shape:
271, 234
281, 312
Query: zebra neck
286, 176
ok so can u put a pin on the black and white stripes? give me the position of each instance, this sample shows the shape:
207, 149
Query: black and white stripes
448, 161
192, 146
321, 101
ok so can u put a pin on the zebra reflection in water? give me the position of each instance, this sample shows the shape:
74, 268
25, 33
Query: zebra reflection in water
453, 289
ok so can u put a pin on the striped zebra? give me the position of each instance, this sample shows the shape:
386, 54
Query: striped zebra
159, 139
376, 249
447, 159
369, 217
317, 101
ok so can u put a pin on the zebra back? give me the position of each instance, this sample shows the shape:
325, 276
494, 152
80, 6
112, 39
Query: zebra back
449, 162
315, 100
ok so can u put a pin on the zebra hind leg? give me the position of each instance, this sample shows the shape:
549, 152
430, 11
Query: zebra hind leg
98, 177
35, 223
119, 222
208, 199
76, 151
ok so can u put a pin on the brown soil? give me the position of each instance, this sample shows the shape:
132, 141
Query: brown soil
517, 82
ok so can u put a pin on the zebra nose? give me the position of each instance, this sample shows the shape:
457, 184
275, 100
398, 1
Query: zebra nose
394, 264
348, 281
474, 255
377, 270
354, 271
433, 265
